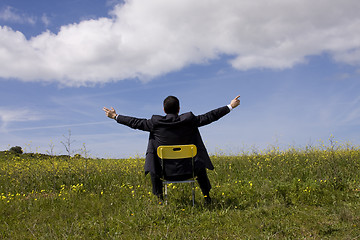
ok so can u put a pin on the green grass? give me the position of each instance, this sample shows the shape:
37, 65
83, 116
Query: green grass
311, 193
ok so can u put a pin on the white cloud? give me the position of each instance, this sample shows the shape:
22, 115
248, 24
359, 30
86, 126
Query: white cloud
145, 39
10, 14
58, 126
45, 19
8, 115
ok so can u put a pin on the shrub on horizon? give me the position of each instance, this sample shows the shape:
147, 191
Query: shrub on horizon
16, 150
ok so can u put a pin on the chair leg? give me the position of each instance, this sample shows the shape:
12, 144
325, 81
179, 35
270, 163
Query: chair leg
165, 189
193, 193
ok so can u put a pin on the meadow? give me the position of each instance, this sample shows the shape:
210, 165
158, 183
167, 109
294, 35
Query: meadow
307, 193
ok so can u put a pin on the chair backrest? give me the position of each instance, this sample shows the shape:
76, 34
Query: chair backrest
177, 151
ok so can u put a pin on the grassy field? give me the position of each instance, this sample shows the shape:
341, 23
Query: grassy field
310, 193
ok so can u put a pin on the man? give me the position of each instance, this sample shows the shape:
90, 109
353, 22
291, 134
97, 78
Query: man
175, 129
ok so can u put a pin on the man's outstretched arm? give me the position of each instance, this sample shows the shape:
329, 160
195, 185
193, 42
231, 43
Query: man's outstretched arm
136, 123
216, 114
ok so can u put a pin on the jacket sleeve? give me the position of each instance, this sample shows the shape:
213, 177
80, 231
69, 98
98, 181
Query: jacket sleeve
211, 116
135, 123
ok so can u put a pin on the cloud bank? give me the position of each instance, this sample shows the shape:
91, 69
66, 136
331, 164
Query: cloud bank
145, 39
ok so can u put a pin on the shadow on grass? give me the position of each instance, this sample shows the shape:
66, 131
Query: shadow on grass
235, 203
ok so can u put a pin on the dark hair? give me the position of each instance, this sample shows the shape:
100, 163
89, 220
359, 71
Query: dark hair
171, 105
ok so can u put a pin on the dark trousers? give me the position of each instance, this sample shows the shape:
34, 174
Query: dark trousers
202, 179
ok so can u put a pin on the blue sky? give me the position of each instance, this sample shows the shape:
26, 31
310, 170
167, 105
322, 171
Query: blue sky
296, 67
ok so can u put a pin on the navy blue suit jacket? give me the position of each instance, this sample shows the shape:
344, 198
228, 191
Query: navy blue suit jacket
174, 129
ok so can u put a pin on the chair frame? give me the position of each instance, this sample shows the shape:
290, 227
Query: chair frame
165, 152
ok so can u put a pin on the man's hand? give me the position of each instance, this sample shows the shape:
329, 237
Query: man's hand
111, 113
235, 102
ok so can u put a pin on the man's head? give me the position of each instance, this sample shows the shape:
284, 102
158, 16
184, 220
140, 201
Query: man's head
171, 105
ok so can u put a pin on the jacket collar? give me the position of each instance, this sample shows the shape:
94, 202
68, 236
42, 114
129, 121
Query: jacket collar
171, 116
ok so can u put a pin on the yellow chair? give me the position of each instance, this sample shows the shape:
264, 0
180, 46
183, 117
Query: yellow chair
178, 156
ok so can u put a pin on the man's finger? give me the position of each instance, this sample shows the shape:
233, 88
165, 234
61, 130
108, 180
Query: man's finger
237, 97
